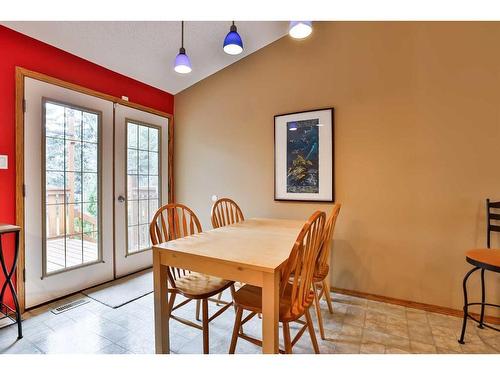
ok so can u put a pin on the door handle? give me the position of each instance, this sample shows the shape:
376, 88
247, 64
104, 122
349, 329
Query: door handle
121, 198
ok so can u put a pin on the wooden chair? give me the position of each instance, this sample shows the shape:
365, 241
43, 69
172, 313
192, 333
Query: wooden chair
224, 212
320, 285
174, 221
296, 295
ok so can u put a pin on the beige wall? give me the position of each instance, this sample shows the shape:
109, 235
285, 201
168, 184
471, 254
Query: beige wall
417, 141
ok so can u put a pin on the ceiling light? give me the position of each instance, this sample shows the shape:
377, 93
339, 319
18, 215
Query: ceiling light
233, 45
300, 29
182, 64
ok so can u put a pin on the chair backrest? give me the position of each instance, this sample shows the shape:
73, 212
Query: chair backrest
492, 216
224, 212
170, 222
301, 263
324, 253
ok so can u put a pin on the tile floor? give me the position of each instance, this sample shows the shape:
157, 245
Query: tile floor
357, 326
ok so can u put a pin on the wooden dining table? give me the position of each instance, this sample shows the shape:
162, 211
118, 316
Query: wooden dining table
252, 251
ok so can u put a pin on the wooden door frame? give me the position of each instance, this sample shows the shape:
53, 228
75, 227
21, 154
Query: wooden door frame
21, 74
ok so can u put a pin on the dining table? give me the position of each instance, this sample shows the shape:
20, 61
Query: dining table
252, 251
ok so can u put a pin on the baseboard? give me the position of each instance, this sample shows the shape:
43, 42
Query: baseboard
414, 305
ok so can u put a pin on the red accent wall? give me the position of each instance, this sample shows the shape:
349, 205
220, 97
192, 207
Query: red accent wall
17, 49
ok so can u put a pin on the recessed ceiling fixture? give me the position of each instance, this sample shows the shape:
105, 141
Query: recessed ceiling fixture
300, 29
233, 45
182, 64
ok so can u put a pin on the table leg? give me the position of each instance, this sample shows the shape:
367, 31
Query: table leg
162, 338
270, 312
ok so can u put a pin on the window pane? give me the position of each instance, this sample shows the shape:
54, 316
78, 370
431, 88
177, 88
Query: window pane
153, 139
73, 123
90, 187
73, 187
132, 187
132, 135
143, 162
89, 157
54, 120
133, 239
90, 127
153, 187
54, 220
143, 187
55, 252
73, 156
153, 207
143, 237
73, 218
74, 250
90, 247
54, 154
132, 161
133, 212
143, 137
54, 187
90, 218
153, 163
143, 212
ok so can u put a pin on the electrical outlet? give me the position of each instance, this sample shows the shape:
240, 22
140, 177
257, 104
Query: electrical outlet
4, 162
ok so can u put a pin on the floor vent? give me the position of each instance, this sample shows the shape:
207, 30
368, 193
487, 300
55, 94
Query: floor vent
69, 306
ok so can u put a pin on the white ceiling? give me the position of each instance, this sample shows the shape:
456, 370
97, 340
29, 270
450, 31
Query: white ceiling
146, 50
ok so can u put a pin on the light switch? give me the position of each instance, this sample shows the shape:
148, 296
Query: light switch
4, 162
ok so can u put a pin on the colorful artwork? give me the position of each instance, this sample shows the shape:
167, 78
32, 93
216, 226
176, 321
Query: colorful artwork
302, 156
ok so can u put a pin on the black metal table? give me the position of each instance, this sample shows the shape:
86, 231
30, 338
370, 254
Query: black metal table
4, 309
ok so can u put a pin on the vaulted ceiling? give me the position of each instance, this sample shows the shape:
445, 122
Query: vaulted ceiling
145, 50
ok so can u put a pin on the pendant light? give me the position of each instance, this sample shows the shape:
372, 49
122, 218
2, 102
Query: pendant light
300, 29
182, 64
233, 45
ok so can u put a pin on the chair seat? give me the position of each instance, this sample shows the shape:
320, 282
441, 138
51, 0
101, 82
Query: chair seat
488, 259
320, 273
198, 286
249, 297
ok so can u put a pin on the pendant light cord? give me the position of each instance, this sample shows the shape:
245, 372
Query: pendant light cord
182, 34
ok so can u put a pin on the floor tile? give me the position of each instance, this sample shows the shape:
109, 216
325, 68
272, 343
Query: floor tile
356, 326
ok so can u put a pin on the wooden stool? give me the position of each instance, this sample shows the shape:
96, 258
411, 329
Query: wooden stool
481, 259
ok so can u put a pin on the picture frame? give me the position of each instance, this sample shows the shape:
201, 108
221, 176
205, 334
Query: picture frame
304, 156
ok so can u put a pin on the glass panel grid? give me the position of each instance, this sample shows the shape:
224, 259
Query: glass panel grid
143, 168
71, 196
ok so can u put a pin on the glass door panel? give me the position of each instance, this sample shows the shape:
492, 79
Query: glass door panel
72, 187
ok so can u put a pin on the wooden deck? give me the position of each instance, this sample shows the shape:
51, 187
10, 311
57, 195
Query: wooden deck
56, 259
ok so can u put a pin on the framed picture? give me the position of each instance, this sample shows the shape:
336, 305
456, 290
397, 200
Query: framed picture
303, 156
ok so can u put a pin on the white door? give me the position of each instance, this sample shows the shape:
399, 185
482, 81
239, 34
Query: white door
141, 170
68, 146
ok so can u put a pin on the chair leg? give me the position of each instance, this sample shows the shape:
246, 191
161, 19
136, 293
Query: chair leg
204, 308
328, 297
219, 298
466, 304
312, 334
483, 300
198, 302
286, 338
237, 327
318, 312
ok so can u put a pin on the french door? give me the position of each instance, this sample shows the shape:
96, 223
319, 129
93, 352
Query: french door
94, 175
68, 236
141, 169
